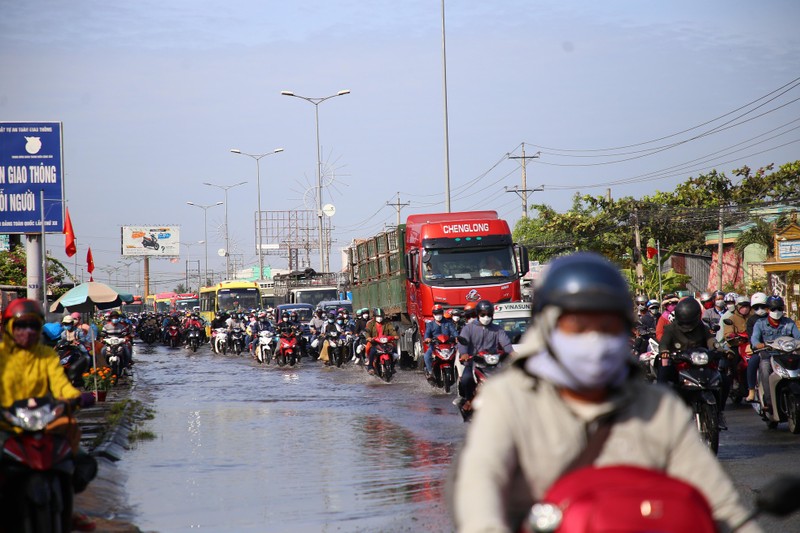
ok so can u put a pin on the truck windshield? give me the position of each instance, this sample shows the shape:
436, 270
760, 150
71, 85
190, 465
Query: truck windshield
315, 296
480, 266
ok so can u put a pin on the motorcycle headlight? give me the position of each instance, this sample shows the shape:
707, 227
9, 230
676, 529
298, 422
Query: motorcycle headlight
491, 359
699, 358
446, 352
545, 517
34, 419
786, 344
778, 369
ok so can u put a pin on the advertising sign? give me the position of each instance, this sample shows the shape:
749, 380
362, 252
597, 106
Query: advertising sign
31, 162
159, 241
788, 250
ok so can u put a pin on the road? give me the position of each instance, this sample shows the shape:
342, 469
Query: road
243, 447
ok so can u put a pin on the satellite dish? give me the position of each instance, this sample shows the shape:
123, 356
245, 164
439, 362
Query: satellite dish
221, 252
329, 210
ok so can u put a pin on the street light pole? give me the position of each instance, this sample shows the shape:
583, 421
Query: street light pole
258, 157
323, 259
205, 209
227, 235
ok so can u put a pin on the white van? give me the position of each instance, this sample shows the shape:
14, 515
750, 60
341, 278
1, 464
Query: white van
513, 318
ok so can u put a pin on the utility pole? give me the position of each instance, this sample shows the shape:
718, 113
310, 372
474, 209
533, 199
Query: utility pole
720, 248
398, 206
523, 192
638, 242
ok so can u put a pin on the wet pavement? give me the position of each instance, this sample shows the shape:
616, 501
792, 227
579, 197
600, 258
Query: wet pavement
244, 447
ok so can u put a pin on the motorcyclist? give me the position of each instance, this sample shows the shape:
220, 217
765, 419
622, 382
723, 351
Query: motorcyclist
115, 328
645, 325
457, 316
668, 306
334, 324
470, 315
378, 327
220, 321
169, 321
297, 324
654, 307
573, 375
193, 321
359, 344
73, 334
758, 311
738, 319
481, 335
775, 325
28, 369
712, 315
433, 328
261, 323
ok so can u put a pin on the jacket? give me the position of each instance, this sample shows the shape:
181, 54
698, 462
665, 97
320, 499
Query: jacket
764, 332
31, 374
524, 434
433, 329
372, 329
479, 338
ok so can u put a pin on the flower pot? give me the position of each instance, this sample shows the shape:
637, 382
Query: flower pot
100, 395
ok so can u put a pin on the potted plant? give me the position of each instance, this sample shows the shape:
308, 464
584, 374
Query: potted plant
99, 380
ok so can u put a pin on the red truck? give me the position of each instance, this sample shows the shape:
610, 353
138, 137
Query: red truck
444, 258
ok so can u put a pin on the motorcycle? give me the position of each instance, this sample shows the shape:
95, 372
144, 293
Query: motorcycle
221, 341
74, 360
263, 350
36, 479
151, 241
698, 384
778, 384
287, 348
237, 340
148, 334
384, 357
113, 351
484, 364
647, 361
336, 347
739, 355
173, 336
193, 338
444, 356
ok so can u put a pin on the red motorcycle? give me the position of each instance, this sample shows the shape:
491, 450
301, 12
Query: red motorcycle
384, 357
287, 347
174, 336
738, 355
444, 356
484, 364
36, 470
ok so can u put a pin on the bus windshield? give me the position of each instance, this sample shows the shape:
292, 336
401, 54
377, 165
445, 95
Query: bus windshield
315, 296
237, 299
187, 304
478, 265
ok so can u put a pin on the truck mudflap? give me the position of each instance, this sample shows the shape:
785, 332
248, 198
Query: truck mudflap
408, 341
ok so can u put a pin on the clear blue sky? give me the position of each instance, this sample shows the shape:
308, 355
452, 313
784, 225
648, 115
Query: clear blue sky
154, 94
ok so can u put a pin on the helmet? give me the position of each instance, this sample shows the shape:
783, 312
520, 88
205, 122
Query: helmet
706, 297
653, 303
758, 298
68, 320
113, 314
23, 307
262, 314
448, 313
285, 314
319, 311
584, 281
76, 315
670, 298
688, 313
469, 310
485, 307
437, 308
641, 300
378, 312
293, 315
332, 315
457, 312
742, 300
731, 297
775, 303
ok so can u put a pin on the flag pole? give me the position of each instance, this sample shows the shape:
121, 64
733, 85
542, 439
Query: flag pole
658, 267
44, 256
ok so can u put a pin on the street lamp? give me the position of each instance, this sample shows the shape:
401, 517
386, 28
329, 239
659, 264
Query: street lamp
188, 246
323, 259
227, 235
258, 157
205, 209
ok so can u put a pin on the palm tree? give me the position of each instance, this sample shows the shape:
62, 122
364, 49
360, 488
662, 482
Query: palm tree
763, 233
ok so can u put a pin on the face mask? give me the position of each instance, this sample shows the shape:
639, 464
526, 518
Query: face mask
438, 318
760, 312
776, 315
485, 320
456, 318
730, 307
720, 304
115, 320
595, 359
365, 316
340, 321
379, 319
330, 321
654, 310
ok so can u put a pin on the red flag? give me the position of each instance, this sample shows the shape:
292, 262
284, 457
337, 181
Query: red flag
651, 252
90, 263
69, 241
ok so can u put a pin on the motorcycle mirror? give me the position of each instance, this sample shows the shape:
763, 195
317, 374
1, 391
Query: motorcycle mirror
715, 328
728, 321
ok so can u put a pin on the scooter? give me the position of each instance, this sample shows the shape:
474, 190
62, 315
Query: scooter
739, 355
698, 384
74, 360
151, 242
444, 355
173, 336
778, 384
237, 340
113, 353
336, 348
647, 360
221, 340
484, 364
384, 356
193, 338
287, 348
263, 349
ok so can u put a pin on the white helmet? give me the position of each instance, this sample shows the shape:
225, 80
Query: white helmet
758, 298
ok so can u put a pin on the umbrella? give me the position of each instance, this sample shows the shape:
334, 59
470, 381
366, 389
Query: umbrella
86, 296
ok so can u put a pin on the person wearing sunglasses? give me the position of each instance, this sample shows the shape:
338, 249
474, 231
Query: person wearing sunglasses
774, 325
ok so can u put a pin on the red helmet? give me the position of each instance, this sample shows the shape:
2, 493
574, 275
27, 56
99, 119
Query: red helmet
23, 307
437, 308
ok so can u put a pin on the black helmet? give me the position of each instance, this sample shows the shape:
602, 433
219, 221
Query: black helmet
485, 307
688, 313
584, 281
378, 312
775, 303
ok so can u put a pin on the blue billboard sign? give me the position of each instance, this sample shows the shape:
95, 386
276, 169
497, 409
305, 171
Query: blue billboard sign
31, 161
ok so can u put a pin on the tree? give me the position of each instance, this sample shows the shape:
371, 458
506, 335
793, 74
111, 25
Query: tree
14, 271
671, 281
181, 288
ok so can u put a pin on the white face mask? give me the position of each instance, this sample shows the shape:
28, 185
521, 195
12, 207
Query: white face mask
595, 360
776, 315
438, 318
720, 304
485, 320
379, 319
365, 316
456, 318
731, 307
760, 311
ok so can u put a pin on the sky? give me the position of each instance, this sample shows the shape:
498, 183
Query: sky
621, 94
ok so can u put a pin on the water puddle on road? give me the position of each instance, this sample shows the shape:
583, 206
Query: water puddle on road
246, 448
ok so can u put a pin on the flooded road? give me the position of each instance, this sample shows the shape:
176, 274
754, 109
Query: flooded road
243, 447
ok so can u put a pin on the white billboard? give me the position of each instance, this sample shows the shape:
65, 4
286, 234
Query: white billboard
160, 241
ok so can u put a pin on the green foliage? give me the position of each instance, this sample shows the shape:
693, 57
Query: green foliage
181, 288
671, 281
14, 271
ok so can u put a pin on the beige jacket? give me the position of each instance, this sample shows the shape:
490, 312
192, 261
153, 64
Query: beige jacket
524, 435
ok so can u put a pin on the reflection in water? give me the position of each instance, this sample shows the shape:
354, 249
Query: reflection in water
249, 448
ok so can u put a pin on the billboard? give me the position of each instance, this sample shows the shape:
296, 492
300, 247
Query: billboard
159, 241
31, 162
